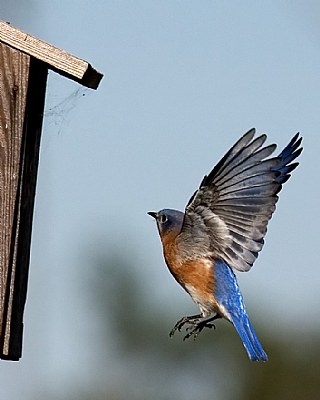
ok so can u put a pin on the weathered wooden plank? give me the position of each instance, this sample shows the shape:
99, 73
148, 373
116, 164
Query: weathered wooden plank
30, 150
59, 60
14, 76
22, 96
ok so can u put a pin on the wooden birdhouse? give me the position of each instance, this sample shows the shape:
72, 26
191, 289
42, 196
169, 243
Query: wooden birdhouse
24, 64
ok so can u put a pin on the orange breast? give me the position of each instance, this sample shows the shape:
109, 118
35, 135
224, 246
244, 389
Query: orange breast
196, 276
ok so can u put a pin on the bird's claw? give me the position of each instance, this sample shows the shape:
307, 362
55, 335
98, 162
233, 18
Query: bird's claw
191, 320
197, 329
196, 325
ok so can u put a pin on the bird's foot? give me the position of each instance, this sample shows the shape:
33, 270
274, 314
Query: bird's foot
197, 328
196, 324
191, 320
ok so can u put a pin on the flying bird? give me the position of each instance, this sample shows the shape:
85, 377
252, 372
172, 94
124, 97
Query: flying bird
222, 231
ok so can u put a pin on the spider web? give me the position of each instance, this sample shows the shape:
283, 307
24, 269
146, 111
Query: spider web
61, 101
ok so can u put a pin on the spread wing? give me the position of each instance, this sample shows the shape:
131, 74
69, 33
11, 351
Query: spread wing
227, 216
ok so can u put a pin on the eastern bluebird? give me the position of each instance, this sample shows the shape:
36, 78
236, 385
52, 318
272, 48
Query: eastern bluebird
222, 230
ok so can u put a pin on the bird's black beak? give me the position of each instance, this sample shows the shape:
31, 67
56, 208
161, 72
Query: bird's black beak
153, 214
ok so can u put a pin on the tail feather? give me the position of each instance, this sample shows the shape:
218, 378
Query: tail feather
249, 338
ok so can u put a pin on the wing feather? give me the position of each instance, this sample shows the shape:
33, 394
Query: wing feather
227, 216
241, 172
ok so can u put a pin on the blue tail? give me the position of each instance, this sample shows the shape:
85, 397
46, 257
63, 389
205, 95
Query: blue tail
249, 338
230, 299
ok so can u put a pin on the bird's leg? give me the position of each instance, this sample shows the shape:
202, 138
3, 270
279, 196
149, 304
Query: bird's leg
191, 319
199, 325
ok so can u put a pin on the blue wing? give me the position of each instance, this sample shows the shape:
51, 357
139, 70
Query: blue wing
229, 298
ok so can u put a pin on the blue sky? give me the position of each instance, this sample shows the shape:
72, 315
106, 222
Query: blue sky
182, 82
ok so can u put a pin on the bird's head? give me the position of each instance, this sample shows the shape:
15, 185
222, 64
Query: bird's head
168, 221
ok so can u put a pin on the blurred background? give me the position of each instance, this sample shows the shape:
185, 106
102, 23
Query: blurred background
183, 80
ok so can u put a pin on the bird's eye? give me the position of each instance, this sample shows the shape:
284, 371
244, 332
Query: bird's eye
163, 218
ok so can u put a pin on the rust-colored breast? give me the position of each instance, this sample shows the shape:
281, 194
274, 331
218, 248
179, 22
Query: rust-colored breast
196, 276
